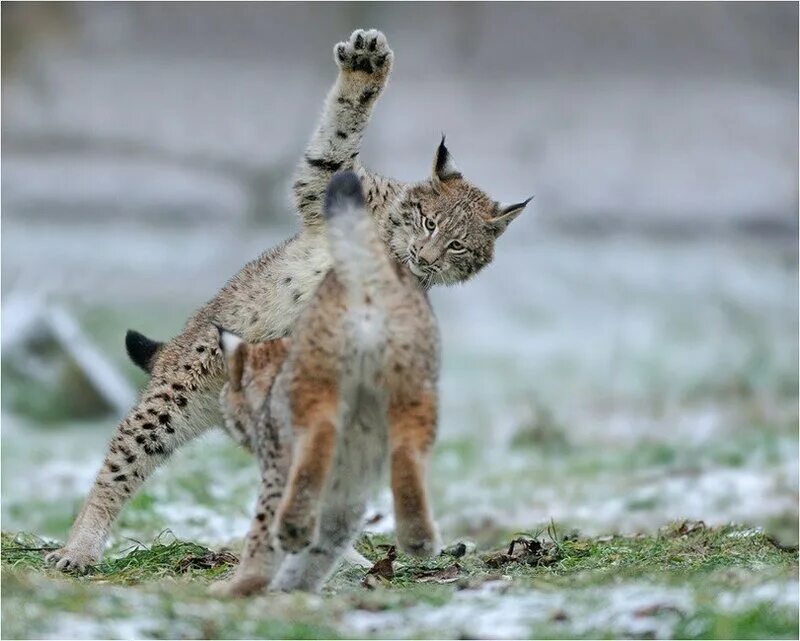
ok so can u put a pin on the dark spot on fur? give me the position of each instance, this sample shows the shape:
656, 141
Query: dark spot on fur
163, 419
120, 477
126, 489
200, 349
180, 401
323, 163
169, 430
138, 416
130, 458
153, 450
359, 41
154, 437
254, 319
366, 96
354, 154
261, 516
152, 412
178, 387
187, 367
379, 62
140, 438
341, 134
297, 296
344, 101
287, 280
148, 426
113, 467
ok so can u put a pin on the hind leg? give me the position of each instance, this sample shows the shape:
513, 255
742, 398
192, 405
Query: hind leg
168, 414
314, 408
412, 430
339, 525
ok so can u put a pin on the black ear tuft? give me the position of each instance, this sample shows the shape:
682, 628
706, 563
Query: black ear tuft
444, 167
504, 214
141, 350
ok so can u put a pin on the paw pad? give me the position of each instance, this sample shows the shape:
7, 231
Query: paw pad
365, 51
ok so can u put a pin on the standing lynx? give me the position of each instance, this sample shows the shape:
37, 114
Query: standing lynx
354, 389
444, 228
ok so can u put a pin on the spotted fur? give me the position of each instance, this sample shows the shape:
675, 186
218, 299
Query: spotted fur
263, 301
355, 391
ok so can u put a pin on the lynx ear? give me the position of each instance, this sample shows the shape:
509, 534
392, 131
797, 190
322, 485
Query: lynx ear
444, 167
233, 351
504, 214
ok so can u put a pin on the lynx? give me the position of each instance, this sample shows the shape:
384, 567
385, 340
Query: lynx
443, 228
354, 388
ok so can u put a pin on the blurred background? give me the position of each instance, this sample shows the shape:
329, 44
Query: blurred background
631, 356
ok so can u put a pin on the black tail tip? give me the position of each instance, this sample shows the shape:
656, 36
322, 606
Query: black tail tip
141, 349
344, 189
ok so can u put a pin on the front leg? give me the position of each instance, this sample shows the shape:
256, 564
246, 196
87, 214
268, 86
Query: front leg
261, 557
364, 62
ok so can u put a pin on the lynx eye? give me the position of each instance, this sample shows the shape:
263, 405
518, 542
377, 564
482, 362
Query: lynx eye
430, 225
456, 245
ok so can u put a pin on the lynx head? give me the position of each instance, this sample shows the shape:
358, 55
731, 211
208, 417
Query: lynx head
251, 369
444, 228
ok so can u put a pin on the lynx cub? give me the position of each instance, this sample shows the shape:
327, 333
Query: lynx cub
443, 228
353, 389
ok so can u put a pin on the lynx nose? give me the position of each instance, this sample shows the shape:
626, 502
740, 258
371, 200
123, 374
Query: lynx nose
428, 255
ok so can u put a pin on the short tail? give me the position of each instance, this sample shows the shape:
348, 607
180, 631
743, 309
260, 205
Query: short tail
141, 350
359, 255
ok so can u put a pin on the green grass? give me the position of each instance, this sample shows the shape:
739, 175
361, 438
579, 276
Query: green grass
160, 588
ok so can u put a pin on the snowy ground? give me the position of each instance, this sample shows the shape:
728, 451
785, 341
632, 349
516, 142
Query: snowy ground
611, 385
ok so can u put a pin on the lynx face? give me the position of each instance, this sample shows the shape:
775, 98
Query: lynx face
445, 228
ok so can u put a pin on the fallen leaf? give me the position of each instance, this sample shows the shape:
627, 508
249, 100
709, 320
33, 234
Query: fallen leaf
444, 575
688, 527
526, 551
383, 569
207, 561
372, 581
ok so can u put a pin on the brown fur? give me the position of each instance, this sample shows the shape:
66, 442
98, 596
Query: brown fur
264, 300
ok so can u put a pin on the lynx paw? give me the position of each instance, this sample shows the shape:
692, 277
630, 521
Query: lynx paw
419, 541
239, 586
67, 560
296, 532
365, 50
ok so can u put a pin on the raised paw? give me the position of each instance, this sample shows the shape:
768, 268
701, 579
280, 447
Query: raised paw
365, 50
67, 560
295, 533
239, 586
